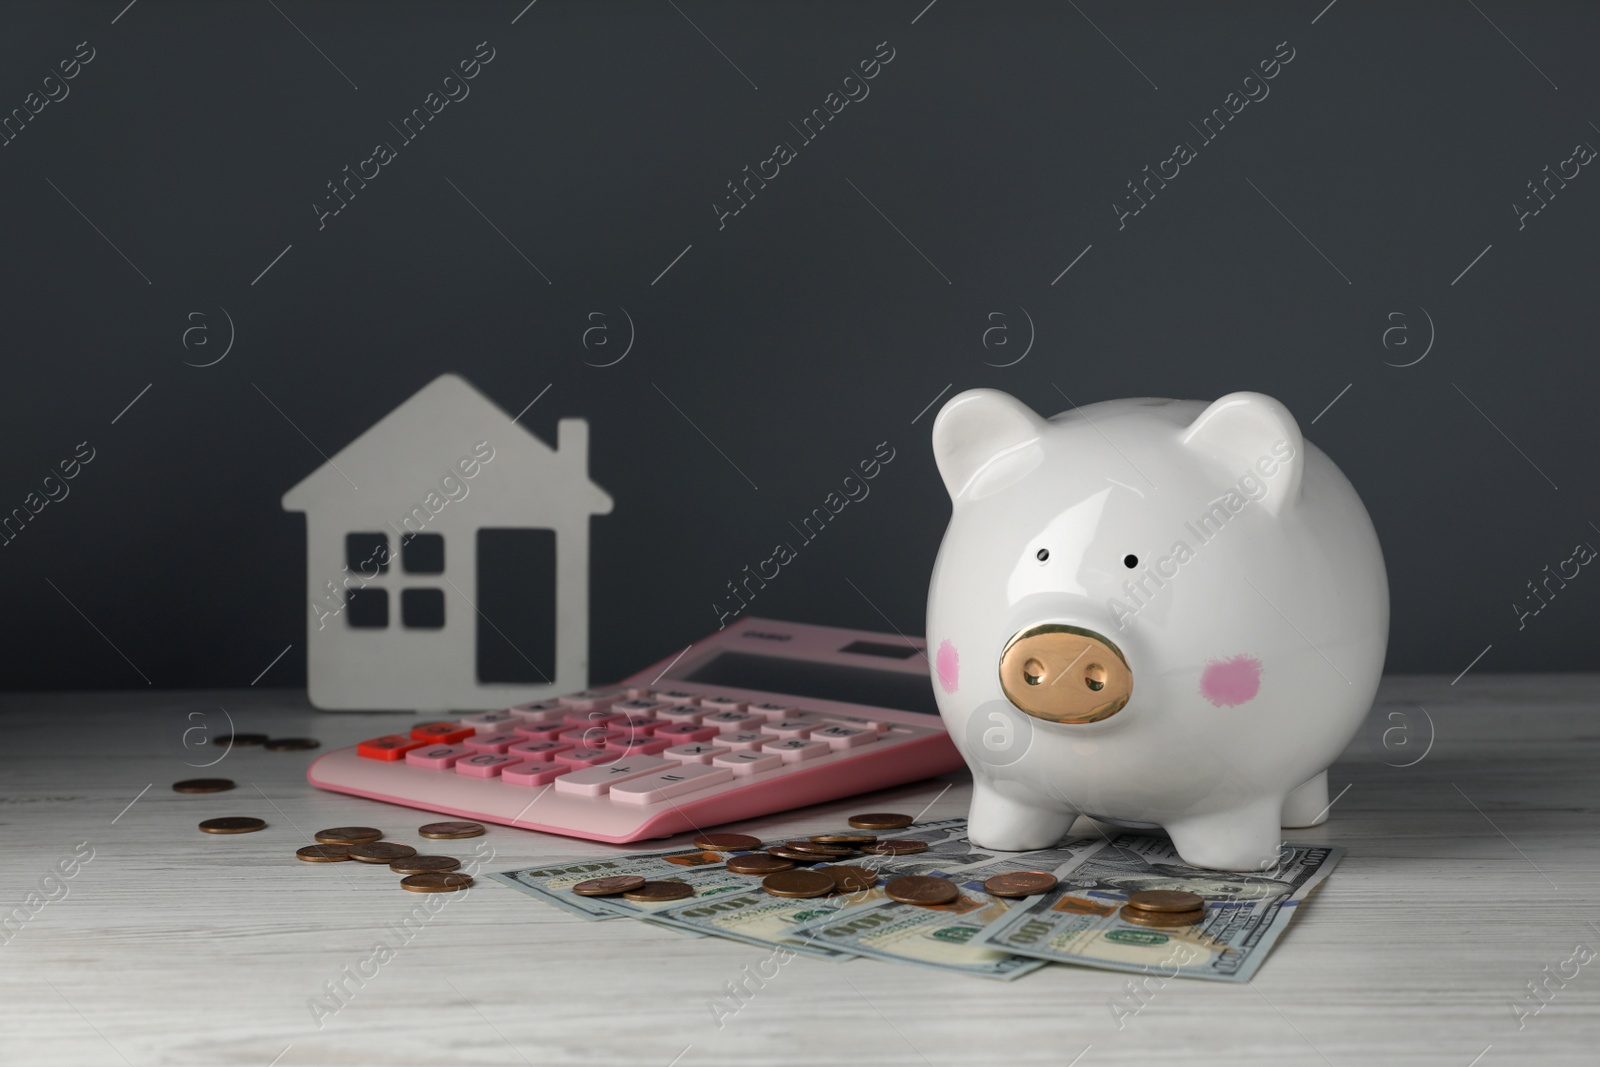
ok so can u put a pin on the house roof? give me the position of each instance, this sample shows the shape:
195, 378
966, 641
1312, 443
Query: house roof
405, 453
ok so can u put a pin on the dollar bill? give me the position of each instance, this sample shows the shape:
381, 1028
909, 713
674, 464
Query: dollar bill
1079, 921
552, 881
756, 917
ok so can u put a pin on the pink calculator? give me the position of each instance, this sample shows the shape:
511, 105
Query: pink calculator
762, 716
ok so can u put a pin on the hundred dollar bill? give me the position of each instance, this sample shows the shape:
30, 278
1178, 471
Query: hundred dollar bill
552, 881
1079, 921
756, 917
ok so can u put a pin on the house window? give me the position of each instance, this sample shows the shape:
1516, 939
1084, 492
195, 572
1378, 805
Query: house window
366, 554
422, 553
422, 609
368, 609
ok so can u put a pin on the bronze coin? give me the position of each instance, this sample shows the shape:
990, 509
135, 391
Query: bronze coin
436, 882
450, 831
324, 853
233, 824
849, 879
796, 855
290, 744
758, 863
1165, 900
348, 835
1141, 917
424, 864
203, 785
727, 842
854, 840
811, 848
1020, 884
225, 740
657, 892
384, 852
880, 820
921, 889
608, 887
798, 884
895, 847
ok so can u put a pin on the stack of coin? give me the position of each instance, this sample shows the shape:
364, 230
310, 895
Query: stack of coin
727, 842
1164, 907
896, 846
203, 785
923, 889
880, 820
450, 831
1020, 884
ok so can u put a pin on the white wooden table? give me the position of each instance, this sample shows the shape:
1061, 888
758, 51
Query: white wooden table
1470, 874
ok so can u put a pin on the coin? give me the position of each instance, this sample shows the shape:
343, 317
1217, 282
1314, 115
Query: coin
239, 739
795, 854
850, 879
921, 889
203, 785
324, 853
656, 892
896, 847
436, 882
812, 847
1020, 884
233, 824
843, 839
880, 820
449, 831
348, 835
1165, 900
608, 887
727, 842
798, 884
382, 852
289, 744
1140, 917
758, 863
424, 864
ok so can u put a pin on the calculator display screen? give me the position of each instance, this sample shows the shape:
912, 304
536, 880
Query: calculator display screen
825, 681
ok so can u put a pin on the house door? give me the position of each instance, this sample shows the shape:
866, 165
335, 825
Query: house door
516, 606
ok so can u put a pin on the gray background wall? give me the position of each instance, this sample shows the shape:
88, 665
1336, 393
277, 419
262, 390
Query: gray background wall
862, 283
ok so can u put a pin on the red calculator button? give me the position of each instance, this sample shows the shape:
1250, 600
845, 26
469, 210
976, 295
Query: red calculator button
388, 747
446, 733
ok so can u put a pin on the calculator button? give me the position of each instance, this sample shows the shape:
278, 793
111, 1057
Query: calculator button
696, 752
541, 711
591, 698
838, 736
666, 784
436, 757
856, 720
741, 763
446, 733
636, 724
677, 696
640, 745
683, 732
533, 773
484, 764
792, 727
593, 717
492, 742
538, 751
746, 740
491, 722
388, 747
593, 736
639, 707
544, 732
588, 757
682, 713
722, 703
731, 722
794, 749
774, 711
595, 781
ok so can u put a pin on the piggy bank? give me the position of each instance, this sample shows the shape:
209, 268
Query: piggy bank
1157, 613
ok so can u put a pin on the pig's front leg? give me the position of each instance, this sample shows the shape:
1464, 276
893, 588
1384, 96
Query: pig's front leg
1244, 838
1011, 825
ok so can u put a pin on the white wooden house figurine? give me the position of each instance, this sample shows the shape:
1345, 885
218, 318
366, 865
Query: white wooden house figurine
447, 559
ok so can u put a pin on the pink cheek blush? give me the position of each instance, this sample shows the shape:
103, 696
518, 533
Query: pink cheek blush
1231, 682
948, 665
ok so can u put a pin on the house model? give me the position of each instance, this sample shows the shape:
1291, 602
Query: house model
447, 559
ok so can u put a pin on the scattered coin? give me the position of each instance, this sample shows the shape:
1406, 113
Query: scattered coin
843, 839
203, 785
813, 848
799, 884
1141, 917
1165, 900
290, 744
609, 887
348, 835
850, 879
923, 889
1020, 884
424, 864
895, 847
382, 852
324, 853
449, 831
794, 854
656, 892
225, 740
233, 824
436, 882
758, 863
727, 842
880, 820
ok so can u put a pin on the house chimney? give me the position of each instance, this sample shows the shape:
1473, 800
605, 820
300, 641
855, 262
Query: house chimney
572, 442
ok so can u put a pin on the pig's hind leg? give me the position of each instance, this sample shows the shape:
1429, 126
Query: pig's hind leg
1308, 805
1244, 838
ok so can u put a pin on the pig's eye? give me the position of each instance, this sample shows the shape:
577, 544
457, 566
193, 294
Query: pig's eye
1130, 561
1042, 555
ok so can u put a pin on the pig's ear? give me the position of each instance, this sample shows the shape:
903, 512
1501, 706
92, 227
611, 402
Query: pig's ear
1253, 434
984, 440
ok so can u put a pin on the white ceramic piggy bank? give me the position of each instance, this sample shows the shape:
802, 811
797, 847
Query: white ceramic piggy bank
1157, 613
